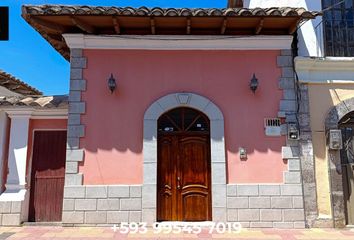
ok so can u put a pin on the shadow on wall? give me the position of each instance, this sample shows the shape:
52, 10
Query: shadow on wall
325, 102
114, 122
335, 115
242, 129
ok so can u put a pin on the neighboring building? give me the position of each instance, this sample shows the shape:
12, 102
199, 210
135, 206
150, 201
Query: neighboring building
184, 132
325, 70
325, 77
10, 87
32, 132
328, 79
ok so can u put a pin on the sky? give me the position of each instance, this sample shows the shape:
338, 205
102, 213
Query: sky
33, 60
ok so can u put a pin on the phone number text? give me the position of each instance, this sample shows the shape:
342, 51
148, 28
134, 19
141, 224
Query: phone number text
176, 228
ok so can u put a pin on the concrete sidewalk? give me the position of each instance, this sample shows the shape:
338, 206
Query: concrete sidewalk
44, 232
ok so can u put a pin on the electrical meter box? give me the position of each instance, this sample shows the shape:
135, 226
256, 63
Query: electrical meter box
335, 139
293, 131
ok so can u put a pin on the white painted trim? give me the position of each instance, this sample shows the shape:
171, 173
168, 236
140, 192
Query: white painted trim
178, 42
9, 195
330, 70
3, 139
326, 81
19, 113
328, 63
18, 144
32, 113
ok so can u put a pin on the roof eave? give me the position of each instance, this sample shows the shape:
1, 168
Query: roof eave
40, 18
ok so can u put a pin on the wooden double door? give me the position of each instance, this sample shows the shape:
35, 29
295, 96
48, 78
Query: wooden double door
47, 176
184, 181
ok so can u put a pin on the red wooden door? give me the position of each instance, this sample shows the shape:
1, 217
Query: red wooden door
47, 176
183, 182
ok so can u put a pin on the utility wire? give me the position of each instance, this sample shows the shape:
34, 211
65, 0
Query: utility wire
332, 6
322, 11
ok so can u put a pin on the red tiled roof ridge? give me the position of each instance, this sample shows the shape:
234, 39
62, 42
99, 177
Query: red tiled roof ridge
55, 101
51, 21
16, 85
48, 9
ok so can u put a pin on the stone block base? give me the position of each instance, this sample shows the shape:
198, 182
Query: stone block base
266, 205
101, 205
11, 213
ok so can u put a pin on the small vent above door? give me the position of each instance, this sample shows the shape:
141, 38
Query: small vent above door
272, 127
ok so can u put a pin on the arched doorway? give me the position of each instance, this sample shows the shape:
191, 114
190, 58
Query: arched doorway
346, 125
183, 166
335, 117
217, 151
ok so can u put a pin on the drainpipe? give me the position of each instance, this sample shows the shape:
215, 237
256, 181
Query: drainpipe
295, 49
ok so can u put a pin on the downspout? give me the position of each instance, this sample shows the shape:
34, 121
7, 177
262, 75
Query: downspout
295, 53
295, 49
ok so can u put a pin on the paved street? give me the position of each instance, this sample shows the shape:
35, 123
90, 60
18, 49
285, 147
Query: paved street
33, 232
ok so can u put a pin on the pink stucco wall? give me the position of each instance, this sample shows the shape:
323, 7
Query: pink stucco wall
114, 122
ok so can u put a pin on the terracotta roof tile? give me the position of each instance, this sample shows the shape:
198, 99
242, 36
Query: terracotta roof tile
58, 101
51, 21
172, 12
15, 85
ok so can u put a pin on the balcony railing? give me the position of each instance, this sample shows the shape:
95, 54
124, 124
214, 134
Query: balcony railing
338, 37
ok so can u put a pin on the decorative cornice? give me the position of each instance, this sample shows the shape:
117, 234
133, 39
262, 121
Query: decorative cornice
327, 70
179, 42
19, 113
32, 113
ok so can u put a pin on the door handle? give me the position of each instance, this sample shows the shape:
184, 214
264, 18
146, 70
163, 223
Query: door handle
178, 183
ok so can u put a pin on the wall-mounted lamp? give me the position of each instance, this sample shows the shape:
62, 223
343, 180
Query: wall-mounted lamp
254, 83
112, 83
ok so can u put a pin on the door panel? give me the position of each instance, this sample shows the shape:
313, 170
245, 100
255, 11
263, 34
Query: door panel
47, 176
165, 184
194, 174
183, 166
184, 192
194, 206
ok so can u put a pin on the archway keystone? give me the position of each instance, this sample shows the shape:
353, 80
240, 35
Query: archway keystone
217, 145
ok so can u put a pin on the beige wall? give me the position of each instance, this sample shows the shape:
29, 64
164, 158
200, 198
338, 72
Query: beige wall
322, 98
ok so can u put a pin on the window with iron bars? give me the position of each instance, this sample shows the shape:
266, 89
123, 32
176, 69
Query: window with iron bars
338, 26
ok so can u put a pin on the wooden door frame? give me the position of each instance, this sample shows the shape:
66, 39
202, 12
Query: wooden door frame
177, 136
30, 161
217, 151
